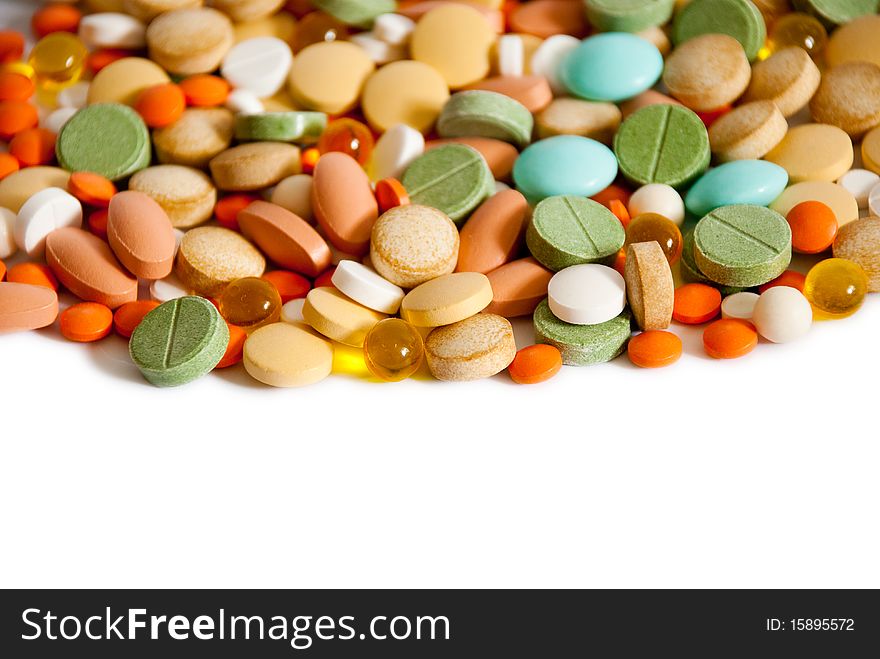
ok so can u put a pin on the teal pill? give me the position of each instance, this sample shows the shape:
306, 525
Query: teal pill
179, 341
691, 274
360, 13
740, 19
108, 139
486, 114
754, 182
612, 67
742, 245
301, 127
453, 178
564, 165
582, 345
837, 12
662, 144
569, 230
628, 15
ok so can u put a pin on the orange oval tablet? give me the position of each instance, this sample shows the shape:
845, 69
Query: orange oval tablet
494, 233
86, 322
285, 238
518, 287
499, 155
227, 209
654, 349
161, 105
33, 147
86, 266
533, 92
92, 189
729, 338
141, 235
26, 307
788, 278
343, 202
16, 116
103, 58
813, 227
204, 91
696, 303
55, 18
544, 18
36, 274
534, 364
129, 316
235, 347
11, 46
290, 286
15, 86
390, 193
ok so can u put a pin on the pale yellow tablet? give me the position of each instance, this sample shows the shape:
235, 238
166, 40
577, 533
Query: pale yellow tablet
337, 317
835, 196
813, 152
855, 42
286, 355
281, 25
447, 299
20, 186
404, 92
124, 80
329, 76
871, 150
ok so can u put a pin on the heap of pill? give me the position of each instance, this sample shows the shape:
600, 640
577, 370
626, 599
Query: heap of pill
288, 186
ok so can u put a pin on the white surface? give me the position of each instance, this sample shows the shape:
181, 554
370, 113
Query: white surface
548, 57
112, 30
394, 29
511, 55
739, 305
395, 150
365, 286
49, 209
259, 65
657, 198
859, 182
586, 294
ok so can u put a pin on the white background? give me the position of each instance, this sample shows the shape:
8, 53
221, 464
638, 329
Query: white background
759, 472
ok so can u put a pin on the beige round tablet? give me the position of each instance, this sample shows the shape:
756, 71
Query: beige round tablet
255, 166
189, 41
855, 41
849, 98
456, 40
747, 132
572, 116
338, 317
281, 25
413, 244
147, 10
247, 10
813, 152
195, 138
124, 80
187, 195
210, 257
20, 186
447, 299
788, 77
404, 92
286, 355
478, 347
859, 241
328, 76
707, 72
836, 197
871, 150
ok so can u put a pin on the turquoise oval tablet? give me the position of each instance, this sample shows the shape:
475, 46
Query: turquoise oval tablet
564, 165
612, 66
754, 182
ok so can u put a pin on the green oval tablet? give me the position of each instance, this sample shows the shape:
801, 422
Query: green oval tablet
301, 127
453, 178
486, 114
179, 341
108, 138
662, 144
628, 15
740, 19
567, 230
742, 245
837, 12
691, 274
582, 345
361, 13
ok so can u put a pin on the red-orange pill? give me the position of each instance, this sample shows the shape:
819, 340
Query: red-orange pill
534, 364
129, 316
34, 146
654, 349
86, 322
92, 189
32, 273
235, 347
390, 193
227, 209
204, 91
161, 105
15, 86
696, 303
729, 338
8, 165
290, 285
788, 278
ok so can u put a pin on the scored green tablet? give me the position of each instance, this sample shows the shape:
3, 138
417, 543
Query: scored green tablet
691, 274
301, 127
740, 19
486, 114
628, 15
582, 345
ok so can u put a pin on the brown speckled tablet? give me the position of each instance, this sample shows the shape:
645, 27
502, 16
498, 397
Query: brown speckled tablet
211, 257
477, 347
649, 285
255, 166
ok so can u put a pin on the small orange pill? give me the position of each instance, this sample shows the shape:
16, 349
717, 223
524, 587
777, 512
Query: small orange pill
16, 116
15, 86
612, 192
11, 46
8, 165
55, 18
324, 279
235, 347
204, 91
620, 212
696, 303
85, 322
92, 189
390, 193
34, 146
129, 316
654, 349
227, 209
32, 273
161, 105
534, 364
813, 227
290, 285
729, 338
788, 278
98, 223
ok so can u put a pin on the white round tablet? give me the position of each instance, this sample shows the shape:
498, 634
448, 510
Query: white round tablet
511, 55
394, 29
367, 287
547, 59
395, 150
243, 101
49, 209
112, 30
586, 294
55, 121
859, 183
8, 247
782, 314
292, 311
295, 194
166, 289
657, 198
75, 96
259, 65
381, 52
739, 305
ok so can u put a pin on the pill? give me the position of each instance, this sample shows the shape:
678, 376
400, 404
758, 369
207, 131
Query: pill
813, 227
124, 80
657, 198
254, 166
74, 96
26, 307
244, 102
748, 131
260, 65
854, 41
499, 156
494, 233
285, 355
395, 150
291, 312
198, 136
545, 18
446, 299
477, 347
628, 16
871, 150
836, 287
835, 196
186, 194
654, 349
754, 182
365, 286
649, 285
130, 315
329, 76
729, 338
300, 127
294, 193
564, 165
707, 72
32, 273
532, 92
347, 219
112, 30
859, 183
20, 186
393, 350
782, 314
147, 10
511, 55
43, 213
534, 364
848, 97
337, 317
289, 285
250, 303
738, 18
789, 78
813, 152
547, 59
395, 29
489, 114
572, 116
210, 257
695, 304
649, 97
141, 235
582, 345
189, 41
656, 228
85, 322
8, 246
859, 241
739, 305
166, 289
788, 278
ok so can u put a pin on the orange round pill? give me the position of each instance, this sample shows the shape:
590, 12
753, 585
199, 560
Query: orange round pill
535, 364
161, 105
16, 116
98, 223
290, 285
11, 46
729, 338
227, 209
813, 227
36, 274
205, 91
788, 278
390, 193
654, 349
8, 165
129, 316
696, 303
92, 189
235, 347
34, 146
55, 18
86, 321
15, 86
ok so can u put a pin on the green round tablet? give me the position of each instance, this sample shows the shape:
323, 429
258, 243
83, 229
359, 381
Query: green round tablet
486, 114
179, 341
108, 139
740, 19
582, 345
453, 178
628, 15
742, 245
691, 274
361, 13
301, 127
837, 12
662, 144
567, 230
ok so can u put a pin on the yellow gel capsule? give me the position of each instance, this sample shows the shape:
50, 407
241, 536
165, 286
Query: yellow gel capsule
58, 60
836, 287
250, 303
393, 350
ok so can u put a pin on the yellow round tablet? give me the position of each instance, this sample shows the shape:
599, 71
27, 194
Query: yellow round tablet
286, 355
871, 150
404, 92
124, 80
855, 42
20, 186
813, 152
328, 76
281, 25
447, 299
456, 40
836, 197
337, 317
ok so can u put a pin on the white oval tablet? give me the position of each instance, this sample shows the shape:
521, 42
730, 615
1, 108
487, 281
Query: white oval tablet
394, 29
586, 294
75, 96
874, 201
295, 194
657, 198
8, 247
367, 287
166, 289
395, 150
49, 209
243, 101
55, 121
547, 59
292, 311
511, 55
739, 305
381, 52
259, 65
782, 314
112, 30
501, 186
859, 183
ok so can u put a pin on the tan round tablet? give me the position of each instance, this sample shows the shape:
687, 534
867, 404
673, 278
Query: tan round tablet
147, 10
870, 151
855, 41
195, 138
813, 152
26, 307
337, 317
747, 132
187, 195
247, 10
189, 41
456, 40
707, 72
788, 77
572, 116
836, 197
285, 355
499, 155
281, 25
210, 257
413, 244
649, 285
478, 347
328, 76
254, 166
518, 287
140, 234
343, 202
447, 299
859, 241
124, 80
20, 186
404, 92
849, 98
